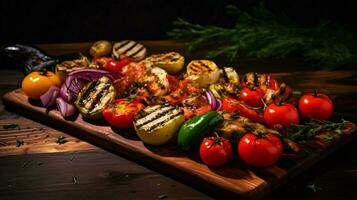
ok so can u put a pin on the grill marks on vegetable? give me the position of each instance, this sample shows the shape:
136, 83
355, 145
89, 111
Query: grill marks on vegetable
95, 94
200, 67
129, 48
157, 116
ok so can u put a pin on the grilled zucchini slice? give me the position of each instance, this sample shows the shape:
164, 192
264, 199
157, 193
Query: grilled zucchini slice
94, 96
157, 125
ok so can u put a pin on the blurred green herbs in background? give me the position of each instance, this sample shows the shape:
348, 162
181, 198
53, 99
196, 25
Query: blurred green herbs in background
262, 34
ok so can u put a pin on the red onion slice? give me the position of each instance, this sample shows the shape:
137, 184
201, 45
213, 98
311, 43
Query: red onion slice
66, 109
211, 99
49, 98
219, 104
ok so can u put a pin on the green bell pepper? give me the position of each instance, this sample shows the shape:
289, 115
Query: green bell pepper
194, 130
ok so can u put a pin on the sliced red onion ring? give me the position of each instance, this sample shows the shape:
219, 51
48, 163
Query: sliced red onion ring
211, 99
219, 104
77, 79
49, 98
94, 74
66, 109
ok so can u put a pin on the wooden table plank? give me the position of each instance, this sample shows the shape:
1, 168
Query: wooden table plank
98, 175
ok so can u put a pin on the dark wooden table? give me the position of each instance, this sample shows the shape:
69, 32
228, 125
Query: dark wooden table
43, 169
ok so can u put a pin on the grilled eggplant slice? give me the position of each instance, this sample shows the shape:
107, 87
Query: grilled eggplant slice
156, 125
172, 62
204, 72
94, 96
129, 48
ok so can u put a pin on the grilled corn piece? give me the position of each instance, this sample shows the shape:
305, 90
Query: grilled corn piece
204, 72
158, 124
94, 96
129, 48
172, 62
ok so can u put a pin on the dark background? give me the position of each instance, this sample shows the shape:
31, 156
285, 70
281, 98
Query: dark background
79, 21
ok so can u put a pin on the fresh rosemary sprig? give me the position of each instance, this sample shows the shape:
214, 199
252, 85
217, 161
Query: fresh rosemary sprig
305, 132
263, 34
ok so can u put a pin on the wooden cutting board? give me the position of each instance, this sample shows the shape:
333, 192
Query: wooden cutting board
234, 180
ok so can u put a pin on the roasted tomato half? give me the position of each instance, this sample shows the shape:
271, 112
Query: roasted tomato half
194, 105
230, 104
120, 112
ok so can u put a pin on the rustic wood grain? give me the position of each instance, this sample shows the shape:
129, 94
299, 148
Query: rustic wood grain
98, 175
233, 180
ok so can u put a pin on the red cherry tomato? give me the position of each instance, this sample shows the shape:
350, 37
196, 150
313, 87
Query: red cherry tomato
283, 115
215, 151
260, 151
120, 113
110, 64
316, 106
273, 84
230, 104
252, 97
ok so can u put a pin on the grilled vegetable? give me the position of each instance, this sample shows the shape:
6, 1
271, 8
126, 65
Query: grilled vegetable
263, 81
156, 82
100, 48
194, 130
204, 72
128, 48
66, 67
231, 75
172, 62
158, 124
120, 112
217, 90
94, 96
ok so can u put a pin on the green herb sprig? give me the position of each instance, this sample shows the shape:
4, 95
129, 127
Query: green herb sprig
263, 34
305, 132
61, 139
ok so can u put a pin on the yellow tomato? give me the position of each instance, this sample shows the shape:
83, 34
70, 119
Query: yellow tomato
36, 84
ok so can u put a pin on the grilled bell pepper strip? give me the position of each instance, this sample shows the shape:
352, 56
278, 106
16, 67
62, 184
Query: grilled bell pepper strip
194, 130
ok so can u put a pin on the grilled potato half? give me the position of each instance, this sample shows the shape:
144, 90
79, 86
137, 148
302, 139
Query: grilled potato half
204, 72
172, 62
156, 125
